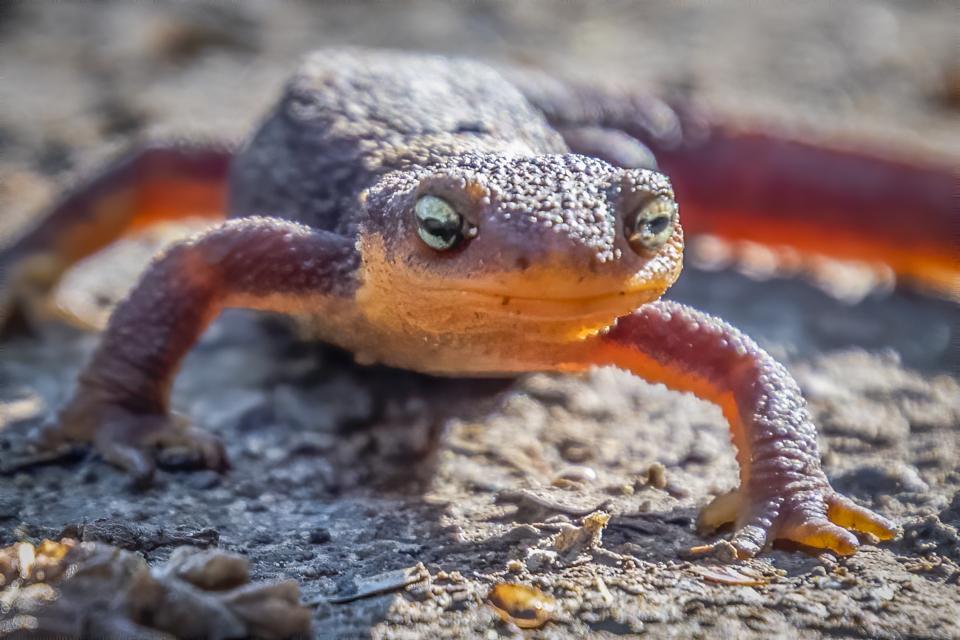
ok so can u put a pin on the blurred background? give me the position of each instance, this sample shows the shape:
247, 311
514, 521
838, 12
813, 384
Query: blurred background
78, 81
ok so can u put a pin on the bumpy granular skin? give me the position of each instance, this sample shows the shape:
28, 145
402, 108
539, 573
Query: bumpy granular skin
783, 492
351, 121
542, 205
348, 117
256, 258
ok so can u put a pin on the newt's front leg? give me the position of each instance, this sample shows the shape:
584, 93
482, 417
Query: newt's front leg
783, 492
121, 403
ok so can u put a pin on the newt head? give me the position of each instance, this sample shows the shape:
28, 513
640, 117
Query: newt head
552, 248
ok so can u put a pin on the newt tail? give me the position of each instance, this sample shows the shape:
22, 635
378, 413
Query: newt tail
152, 184
740, 181
841, 203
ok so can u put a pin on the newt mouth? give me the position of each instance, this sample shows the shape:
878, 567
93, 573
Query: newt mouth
604, 307
555, 299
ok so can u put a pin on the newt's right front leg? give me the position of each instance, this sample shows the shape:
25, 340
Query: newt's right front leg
121, 403
783, 492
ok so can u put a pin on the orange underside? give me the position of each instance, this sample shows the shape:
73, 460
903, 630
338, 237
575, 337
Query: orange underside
174, 199
674, 376
108, 217
934, 266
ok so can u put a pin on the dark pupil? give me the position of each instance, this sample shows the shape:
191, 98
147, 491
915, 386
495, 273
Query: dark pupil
657, 225
446, 230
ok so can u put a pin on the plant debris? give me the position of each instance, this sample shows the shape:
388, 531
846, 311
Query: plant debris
383, 583
520, 605
728, 575
72, 589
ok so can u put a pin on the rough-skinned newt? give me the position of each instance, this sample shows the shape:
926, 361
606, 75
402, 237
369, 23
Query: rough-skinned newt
441, 216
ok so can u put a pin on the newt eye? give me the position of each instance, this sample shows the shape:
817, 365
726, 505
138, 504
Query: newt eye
651, 225
438, 223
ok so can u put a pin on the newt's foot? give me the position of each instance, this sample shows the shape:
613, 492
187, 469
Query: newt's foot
817, 517
131, 440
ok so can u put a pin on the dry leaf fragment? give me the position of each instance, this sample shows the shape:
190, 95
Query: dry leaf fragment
520, 605
383, 583
725, 574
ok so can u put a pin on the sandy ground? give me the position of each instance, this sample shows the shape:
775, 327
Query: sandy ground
343, 474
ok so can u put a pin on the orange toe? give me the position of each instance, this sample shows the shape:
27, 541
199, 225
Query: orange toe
819, 518
821, 534
722, 510
846, 513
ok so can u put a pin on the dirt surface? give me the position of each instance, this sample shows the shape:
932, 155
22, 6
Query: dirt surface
344, 474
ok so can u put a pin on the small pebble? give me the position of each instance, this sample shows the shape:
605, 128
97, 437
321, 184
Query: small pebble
320, 535
578, 473
460, 601
657, 475
203, 479
541, 560
575, 451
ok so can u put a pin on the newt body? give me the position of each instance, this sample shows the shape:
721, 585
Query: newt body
424, 213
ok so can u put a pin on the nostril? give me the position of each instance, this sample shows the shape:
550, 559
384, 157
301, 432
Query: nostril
522, 263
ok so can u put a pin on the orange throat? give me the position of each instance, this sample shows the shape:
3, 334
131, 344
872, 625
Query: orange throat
493, 321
